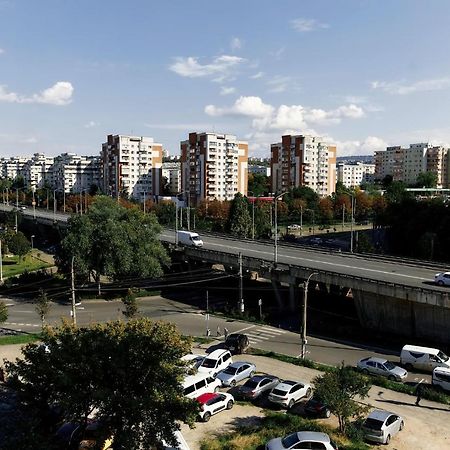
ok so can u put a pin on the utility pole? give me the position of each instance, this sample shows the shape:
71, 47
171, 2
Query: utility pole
241, 286
144, 201
253, 220
343, 216
72, 276
305, 305
176, 221
208, 331
17, 209
351, 226
81, 202
1, 263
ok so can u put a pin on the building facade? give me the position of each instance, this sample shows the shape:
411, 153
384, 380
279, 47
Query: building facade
38, 171
13, 167
213, 166
303, 160
131, 166
171, 173
260, 170
354, 174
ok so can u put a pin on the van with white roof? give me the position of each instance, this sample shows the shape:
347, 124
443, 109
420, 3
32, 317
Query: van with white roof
423, 358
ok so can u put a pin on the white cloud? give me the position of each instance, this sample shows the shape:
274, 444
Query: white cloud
227, 90
59, 94
279, 84
366, 147
243, 106
304, 25
235, 43
90, 124
2, 50
402, 88
179, 126
257, 75
277, 54
190, 66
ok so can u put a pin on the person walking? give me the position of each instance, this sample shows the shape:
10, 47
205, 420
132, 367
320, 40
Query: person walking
225, 332
419, 392
218, 331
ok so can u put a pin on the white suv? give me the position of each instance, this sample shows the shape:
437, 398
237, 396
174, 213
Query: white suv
286, 393
215, 362
212, 403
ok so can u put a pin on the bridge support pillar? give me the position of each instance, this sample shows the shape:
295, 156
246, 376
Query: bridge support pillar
276, 289
293, 295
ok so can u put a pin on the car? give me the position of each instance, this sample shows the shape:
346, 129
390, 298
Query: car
257, 385
192, 361
302, 440
237, 343
382, 367
294, 227
235, 372
442, 279
380, 426
288, 392
215, 362
316, 407
213, 403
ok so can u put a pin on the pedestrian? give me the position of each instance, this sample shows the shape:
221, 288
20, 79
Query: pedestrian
2, 375
208, 332
218, 331
419, 393
225, 332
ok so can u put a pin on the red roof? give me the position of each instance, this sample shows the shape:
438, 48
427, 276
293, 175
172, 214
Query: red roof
204, 398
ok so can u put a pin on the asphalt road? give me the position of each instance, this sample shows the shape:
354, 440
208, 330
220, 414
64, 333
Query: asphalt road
192, 321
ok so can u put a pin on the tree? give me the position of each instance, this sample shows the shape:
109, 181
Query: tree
240, 222
42, 306
258, 184
127, 375
18, 244
338, 390
112, 241
3, 312
131, 304
426, 180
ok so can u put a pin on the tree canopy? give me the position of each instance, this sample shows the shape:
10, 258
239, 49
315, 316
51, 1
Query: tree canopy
111, 240
240, 222
127, 376
18, 244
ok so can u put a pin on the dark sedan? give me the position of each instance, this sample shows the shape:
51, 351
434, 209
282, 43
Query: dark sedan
316, 408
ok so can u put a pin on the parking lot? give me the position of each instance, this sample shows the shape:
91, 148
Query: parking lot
426, 426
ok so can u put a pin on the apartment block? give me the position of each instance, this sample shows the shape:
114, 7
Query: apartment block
303, 160
38, 171
131, 166
213, 166
12, 167
171, 172
260, 170
74, 173
354, 174
405, 164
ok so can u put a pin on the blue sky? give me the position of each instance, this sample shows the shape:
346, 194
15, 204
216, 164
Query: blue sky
362, 73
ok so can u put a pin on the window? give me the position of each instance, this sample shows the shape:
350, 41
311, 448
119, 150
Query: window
200, 384
189, 390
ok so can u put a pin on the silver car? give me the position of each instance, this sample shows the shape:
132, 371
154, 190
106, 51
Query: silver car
235, 372
382, 367
257, 385
380, 426
302, 440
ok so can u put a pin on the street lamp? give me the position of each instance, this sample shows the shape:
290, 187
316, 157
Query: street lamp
305, 305
54, 205
1, 262
32, 242
253, 214
176, 216
144, 192
275, 248
351, 223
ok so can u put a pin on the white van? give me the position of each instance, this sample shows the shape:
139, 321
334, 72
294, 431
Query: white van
201, 383
423, 358
441, 378
189, 239
215, 362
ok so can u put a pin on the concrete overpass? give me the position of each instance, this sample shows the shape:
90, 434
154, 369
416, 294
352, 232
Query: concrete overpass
390, 294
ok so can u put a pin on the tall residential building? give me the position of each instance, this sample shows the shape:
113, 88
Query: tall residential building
38, 171
131, 165
303, 160
12, 167
171, 173
74, 173
353, 174
405, 164
213, 166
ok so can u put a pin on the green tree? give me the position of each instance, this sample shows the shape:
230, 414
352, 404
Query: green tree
258, 184
426, 180
127, 375
42, 306
113, 241
240, 222
3, 312
131, 304
18, 244
338, 390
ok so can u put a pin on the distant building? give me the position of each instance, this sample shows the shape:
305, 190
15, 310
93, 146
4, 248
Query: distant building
303, 160
131, 166
12, 167
171, 171
260, 170
352, 175
74, 173
213, 166
38, 171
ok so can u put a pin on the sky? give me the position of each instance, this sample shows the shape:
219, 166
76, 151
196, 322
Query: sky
363, 74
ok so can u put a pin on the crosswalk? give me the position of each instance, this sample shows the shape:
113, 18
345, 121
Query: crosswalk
263, 333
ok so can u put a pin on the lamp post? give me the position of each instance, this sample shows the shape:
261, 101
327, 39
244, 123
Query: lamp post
176, 216
33, 203
32, 242
351, 223
1, 263
305, 305
275, 249
144, 200
54, 205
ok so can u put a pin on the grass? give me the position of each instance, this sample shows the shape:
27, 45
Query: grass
256, 435
12, 266
19, 339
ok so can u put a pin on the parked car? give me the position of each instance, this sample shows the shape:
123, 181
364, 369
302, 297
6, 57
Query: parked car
294, 227
302, 440
192, 361
287, 392
380, 426
382, 367
235, 372
212, 403
257, 385
316, 407
442, 279
201, 383
237, 343
215, 362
